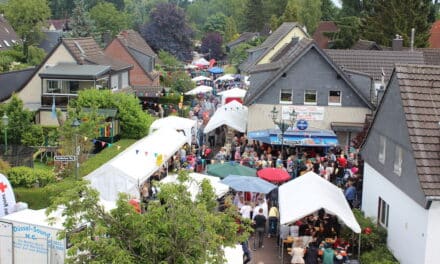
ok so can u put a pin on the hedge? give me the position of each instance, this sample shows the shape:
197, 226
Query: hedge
29, 177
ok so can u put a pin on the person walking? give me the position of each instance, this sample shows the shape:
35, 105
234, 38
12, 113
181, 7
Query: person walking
260, 226
273, 220
350, 193
247, 257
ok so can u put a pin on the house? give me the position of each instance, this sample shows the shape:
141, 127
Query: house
243, 38
58, 25
276, 41
8, 37
301, 76
50, 39
128, 46
401, 186
434, 36
320, 34
74, 64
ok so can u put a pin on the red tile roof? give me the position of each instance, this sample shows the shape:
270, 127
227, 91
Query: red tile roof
434, 39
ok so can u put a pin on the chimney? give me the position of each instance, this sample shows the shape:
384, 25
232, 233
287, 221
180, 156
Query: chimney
106, 37
412, 38
397, 43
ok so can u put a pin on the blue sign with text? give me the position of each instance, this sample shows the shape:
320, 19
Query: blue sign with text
302, 124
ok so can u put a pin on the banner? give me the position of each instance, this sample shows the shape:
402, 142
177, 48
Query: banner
306, 112
7, 198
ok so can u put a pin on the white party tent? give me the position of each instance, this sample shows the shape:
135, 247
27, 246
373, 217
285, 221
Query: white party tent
201, 62
177, 123
232, 114
199, 89
128, 170
226, 77
200, 78
232, 93
196, 179
309, 193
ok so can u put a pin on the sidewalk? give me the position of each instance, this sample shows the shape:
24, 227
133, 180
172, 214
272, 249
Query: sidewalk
268, 254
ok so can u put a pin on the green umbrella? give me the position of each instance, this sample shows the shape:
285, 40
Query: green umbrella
223, 170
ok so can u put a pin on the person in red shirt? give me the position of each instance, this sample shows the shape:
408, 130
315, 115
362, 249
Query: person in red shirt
342, 161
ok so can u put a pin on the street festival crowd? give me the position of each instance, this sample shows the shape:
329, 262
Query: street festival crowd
313, 239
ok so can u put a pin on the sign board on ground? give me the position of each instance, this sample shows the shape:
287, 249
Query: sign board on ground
64, 158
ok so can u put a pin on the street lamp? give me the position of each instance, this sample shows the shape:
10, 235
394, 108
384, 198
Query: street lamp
75, 125
5, 121
283, 124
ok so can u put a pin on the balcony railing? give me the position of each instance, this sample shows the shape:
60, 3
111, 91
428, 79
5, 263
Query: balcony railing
61, 100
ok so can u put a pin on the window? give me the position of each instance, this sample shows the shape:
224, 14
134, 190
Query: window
398, 161
310, 97
382, 149
334, 98
6, 43
73, 87
286, 96
383, 212
53, 86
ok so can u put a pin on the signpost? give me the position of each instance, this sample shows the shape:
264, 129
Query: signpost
64, 158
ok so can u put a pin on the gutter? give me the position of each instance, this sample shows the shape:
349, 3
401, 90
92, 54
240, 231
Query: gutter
430, 199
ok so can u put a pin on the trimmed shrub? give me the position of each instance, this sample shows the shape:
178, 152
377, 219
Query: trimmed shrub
29, 177
380, 255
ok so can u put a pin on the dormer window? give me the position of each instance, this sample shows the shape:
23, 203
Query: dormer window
398, 161
382, 149
6, 43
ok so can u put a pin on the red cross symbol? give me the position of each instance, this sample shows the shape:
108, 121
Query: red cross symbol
3, 187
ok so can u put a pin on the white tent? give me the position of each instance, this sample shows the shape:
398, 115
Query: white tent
309, 193
125, 172
178, 123
232, 93
220, 189
232, 114
201, 61
200, 78
226, 77
199, 89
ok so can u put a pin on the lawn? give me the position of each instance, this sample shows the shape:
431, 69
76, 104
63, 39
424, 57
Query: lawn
38, 198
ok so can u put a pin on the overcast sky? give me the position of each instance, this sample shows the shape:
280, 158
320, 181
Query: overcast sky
337, 3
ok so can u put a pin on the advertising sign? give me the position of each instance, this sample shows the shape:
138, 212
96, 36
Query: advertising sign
306, 112
7, 198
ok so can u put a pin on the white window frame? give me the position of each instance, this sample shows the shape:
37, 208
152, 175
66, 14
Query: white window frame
383, 212
291, 96
52, 89
340, 97
316, 97
382, 149
398, 160
6, 43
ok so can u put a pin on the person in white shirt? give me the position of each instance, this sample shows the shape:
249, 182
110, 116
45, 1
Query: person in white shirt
246, 210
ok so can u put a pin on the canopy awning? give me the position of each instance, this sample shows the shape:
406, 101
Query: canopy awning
347, 126
232, 114
309, 193
178, 123
199, 89
318, 138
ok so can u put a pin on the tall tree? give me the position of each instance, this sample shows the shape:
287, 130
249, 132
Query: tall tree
107, 17
310, 14
215, 23
351, 7
212, 44
139, 11
169, 30
349, 33
230, 29
61, 8
253, 15
174, 229
387, 18
80, 22
274, 7
27, 17
329, 11
291, 12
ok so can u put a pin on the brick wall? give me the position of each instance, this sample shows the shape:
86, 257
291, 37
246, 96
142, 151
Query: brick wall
137, 75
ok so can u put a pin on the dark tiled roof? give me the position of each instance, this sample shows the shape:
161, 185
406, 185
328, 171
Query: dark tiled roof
431, 56
324, 26
434, 37
14, 81
372, 62
420, 94
7, 34
245, 36
50, 40
132, 39
87, 51
363, 44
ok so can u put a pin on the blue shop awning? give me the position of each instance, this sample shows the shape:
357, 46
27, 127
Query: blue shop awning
318, 138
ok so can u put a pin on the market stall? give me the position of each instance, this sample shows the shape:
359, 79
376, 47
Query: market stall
188, 126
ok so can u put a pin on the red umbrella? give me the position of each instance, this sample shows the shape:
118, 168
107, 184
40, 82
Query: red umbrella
273, 175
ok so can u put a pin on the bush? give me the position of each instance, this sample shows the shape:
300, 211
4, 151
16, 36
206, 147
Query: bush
28, 177
379, 255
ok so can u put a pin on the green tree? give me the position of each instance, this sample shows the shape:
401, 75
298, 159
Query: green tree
61, 9
239, 54
20, 120
35, 55
275, 7
386, 18
230, 29
253, 15
139, 10
349, 33
216, 23
80, 22
27, 17
291, 12
310, 14
352, 7
175, 230
133, 121
107, 17
329, 11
